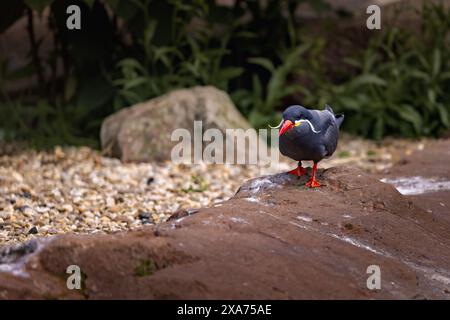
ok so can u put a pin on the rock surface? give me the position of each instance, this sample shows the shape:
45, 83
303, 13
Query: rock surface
426, 175
274, 239
77, 190
143, 132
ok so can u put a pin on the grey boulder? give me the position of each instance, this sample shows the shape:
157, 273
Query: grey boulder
142, 132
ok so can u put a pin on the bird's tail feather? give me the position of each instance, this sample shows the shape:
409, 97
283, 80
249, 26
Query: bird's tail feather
327, 107
339, 119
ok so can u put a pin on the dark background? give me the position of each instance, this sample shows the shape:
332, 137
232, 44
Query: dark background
57, 85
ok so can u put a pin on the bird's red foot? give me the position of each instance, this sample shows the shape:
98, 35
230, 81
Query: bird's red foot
299, 171
312, 183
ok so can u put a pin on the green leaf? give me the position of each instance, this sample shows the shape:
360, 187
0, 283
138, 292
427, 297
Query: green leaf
277, 83
131, 97
408, 113
135, 82
263, 62
366, 79
94, 92
420, 75
149, 33
423, 61
378, 128
436, 62
431, 96
350, 103
132, 64
443, 114
229, 73
257, 87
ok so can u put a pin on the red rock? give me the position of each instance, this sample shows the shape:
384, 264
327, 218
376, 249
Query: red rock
275, 239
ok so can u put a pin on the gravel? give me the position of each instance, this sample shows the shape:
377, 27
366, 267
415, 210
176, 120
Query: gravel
77, 190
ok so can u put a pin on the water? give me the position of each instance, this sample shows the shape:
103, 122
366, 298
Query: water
417, 185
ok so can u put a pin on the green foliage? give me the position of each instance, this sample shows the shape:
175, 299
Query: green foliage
129, 51
187, 58
260, 103
145, 268
54, 125
198, 184
401, 82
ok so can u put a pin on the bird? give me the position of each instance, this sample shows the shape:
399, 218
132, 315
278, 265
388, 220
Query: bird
308, 135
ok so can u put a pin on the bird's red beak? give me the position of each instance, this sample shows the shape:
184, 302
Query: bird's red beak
287, 124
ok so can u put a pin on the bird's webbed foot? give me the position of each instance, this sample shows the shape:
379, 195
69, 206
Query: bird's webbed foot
312, 183
299, 171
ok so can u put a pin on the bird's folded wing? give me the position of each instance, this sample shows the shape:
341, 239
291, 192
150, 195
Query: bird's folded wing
330, 138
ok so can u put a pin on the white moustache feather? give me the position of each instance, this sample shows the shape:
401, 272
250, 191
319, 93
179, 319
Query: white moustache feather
277, 125
298, 122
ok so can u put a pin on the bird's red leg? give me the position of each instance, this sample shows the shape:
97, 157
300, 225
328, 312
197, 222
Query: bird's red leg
299, 171
312, 183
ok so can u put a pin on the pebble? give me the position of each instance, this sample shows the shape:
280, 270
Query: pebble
33, 230
67, 207
110, 201
145, 215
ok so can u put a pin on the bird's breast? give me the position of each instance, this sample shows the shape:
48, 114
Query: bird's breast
300, 146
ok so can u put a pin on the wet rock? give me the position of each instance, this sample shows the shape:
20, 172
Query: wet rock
143, 132
424, 175
12, 253
181, 213
263, 244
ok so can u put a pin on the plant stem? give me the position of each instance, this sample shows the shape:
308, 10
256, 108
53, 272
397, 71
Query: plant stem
35, 51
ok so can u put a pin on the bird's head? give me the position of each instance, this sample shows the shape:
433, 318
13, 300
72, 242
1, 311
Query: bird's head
293, 116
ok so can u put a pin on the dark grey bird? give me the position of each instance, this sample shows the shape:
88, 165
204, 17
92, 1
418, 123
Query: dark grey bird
309, 135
